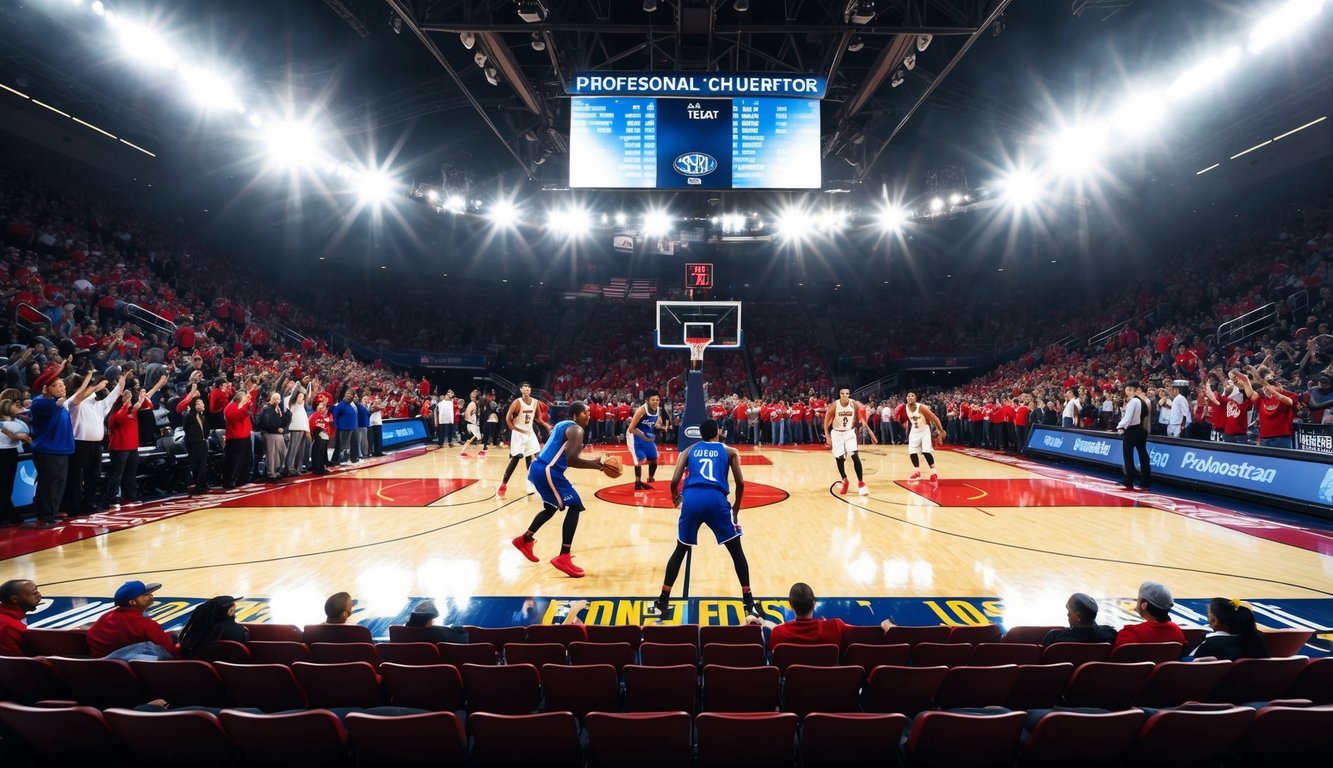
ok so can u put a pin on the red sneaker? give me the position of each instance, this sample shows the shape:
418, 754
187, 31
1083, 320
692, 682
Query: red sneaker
914, 476
524, 546
565, 563
843, 488
501, 490
481, 454
934, 478
464, 455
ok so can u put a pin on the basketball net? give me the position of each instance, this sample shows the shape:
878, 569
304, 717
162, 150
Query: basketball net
697, 347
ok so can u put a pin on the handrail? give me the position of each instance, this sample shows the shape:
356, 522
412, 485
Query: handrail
149, 318
1253, 322
26, 324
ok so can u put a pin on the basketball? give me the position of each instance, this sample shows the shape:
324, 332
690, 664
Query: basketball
611, 467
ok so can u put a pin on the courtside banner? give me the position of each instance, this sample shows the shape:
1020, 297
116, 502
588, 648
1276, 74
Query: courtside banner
1296, 477
1313, 614
696, 84
400, 431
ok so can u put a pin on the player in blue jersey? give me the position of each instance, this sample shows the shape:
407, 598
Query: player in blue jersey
703, 501
547, 474
641, 437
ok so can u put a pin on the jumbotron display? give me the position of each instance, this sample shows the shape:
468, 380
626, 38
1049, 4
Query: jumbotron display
674, 143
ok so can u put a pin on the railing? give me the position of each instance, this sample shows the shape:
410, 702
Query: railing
27, 323
1243, 327
282, 331
1299, 304
876, 387
149, 318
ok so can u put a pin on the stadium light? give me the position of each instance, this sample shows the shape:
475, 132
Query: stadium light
455, 204
794, 224
892, 218
144, 45
936, 204
621, 218
373, 186
99, 8
292, 144
1021, 188
955, 198
1140, 114
1282, 21
210, 90
832, 219
1204, 74
656, 223
504, 213
1076, 151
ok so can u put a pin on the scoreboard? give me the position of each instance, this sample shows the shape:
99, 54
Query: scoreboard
659, 143
699, 275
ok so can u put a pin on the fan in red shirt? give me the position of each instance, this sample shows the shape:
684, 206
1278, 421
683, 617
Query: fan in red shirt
805, 629
126, 633
1277, 410
1154, 606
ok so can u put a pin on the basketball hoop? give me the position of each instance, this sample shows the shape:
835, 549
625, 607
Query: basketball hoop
697, 346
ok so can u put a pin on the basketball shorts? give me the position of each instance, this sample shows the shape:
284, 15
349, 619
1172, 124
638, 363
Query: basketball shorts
705, 506
474, 430
523, 443
844, 442
640, 450
918, 441
552, 486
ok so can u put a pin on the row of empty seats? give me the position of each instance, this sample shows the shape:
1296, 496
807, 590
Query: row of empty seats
525, 688
83, 735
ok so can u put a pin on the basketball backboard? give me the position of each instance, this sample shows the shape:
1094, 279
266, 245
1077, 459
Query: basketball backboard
718, 321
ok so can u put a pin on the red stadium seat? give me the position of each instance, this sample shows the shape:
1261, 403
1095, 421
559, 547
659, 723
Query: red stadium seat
661, 689
459, 654
994, 654
1039, 686
401, 741
563, 634
672, 633
270, 687
1080, 738
619, 633
62, 735
821, 689
536, 654
1157, 653
905, 690
1315, 682
822, 655
1028, 635
1183, 737
976, 633
100, 683
1287, 736
28, 680
1105, 685
615, 654
960, 740
731, 634
436, 687
172, 738
342, 653
497, 637
400, 633
741, 689
278, 652
914, 635
70, 643
868, 657
336, 633
408, 653
289, 633
1176, 682
314, 737
1286, 642
853, 635
735, 655
347, 684
550, 740
668, 654
1075, 653
941, 654
751, 739
616, 740
509, 690
1254, 680
976, 687
851, 740
1193, 636
223, 650
580, 689
182, 683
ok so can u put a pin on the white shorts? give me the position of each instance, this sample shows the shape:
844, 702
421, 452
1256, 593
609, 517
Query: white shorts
474, 430
844, 442
523, 443
918, 441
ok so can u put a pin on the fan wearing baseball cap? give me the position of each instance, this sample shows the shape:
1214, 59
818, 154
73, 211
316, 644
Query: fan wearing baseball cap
53, 438
126, 633
1154, 606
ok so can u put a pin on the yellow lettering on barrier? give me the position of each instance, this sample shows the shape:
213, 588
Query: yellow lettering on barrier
773, 609
993, 608
165, 612
967, 612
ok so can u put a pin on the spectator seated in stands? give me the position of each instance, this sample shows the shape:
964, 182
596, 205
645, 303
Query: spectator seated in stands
1234, 635
338, 608
1083, 626
18, 597
424, 616
1154, 605
210, 621
805, 629
126, 633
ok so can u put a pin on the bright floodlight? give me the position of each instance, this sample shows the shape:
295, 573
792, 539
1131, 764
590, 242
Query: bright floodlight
291, 144
571, 222
1140, 114
656, 223
504, 213
936, 204
455, 203
210, 90
794, 224
1021, 188
1204, 74
98, 8
373, 186
1077, 150
892, 218
832, 219
955, 198
144, 45
1287, 18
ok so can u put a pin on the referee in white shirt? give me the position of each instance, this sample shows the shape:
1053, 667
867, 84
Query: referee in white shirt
1135, 435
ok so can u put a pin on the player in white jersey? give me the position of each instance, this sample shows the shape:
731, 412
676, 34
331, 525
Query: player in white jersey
472, 420
523, 415
919, 421
841, 421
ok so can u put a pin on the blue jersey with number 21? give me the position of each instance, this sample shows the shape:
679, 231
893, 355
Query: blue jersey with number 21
708, 466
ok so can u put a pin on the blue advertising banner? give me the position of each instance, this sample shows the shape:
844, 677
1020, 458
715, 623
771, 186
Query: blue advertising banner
1315, 615
1291, 476
400, 431
696, 85
25, 483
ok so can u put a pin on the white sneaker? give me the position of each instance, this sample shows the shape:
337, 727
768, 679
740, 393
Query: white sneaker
862, 489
